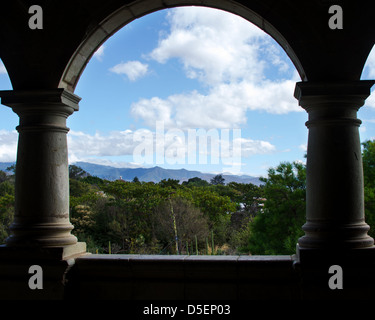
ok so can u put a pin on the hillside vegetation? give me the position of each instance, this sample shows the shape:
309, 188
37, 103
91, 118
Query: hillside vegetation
192, 217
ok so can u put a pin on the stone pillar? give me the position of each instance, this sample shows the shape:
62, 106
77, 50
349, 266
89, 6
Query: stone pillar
335, 220
42, 175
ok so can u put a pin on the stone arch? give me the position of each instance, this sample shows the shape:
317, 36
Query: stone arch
128, 13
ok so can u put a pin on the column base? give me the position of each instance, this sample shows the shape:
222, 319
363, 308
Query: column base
41, 235
54, 263
335, 255
321, 234
352, 269
18, 253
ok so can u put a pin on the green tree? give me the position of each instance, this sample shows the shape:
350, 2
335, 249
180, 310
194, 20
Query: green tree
248, 196
218, 209
93, 180
172, 183
368, 159
248, 199
277, 228
76, 172
144, 217
177, 220
77, 188
3, 176
6, 204
6, 187
195, 182
6, 215
12, 168
218, 180
129, 213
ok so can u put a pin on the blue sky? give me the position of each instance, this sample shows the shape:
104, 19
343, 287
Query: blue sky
176, 74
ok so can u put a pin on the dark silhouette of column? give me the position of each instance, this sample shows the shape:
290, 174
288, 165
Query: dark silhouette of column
335, 219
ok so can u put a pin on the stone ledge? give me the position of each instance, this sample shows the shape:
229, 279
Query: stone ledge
181, 277
15, 253
213, 258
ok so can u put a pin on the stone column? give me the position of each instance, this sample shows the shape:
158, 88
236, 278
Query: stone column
335, 219
42, 175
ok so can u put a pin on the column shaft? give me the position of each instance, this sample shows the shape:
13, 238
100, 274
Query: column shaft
335, 200
42, 175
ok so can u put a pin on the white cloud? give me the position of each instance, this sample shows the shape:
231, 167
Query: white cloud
251, 147
132, 69
225, 105
369, 73
213, 46
99, 53
173, 146
229, 56
170, 145
370, 101
303, 147
153, 110
273, 54
2, 69
369, 69
116, 144
8, 145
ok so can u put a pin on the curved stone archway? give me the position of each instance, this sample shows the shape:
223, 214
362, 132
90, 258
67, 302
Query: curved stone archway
44, 67
339, 225
331, 61
128, 13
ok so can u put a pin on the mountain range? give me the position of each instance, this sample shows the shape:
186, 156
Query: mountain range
154, 174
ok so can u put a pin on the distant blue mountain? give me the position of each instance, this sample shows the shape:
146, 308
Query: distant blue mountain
5, 165
156, 174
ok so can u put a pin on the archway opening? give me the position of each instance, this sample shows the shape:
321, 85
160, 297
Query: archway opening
174, 78
199, 93
8, 151
8, 122
367, 135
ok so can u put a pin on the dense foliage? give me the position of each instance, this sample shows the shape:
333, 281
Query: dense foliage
277, 229
193, 217
368, 158
160, 218
6, 202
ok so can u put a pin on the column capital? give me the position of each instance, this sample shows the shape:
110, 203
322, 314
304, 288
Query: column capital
333, 97
359, 89
41, 110
333, 103
14, 98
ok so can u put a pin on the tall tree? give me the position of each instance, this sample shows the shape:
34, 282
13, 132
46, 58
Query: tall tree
195, 182
249, 197
76, 172
277, 228
368, 159
218, 180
